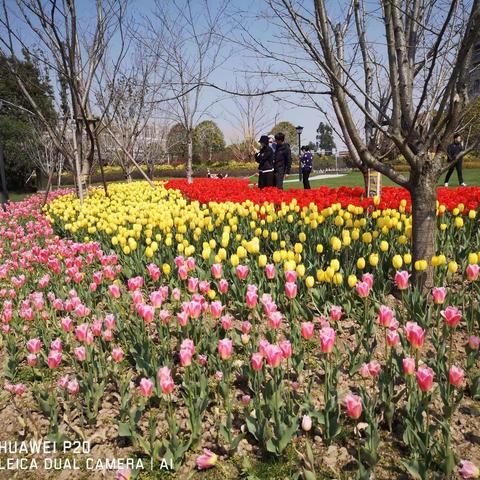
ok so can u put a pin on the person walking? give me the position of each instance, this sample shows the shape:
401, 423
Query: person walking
306, 162
453, 150
282, 160
264, 158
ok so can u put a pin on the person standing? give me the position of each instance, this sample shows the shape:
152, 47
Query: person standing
306, 162
453, 150
282, 160
264, 158
271, 142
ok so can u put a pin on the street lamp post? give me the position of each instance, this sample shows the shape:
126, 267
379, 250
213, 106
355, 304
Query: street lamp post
299, 130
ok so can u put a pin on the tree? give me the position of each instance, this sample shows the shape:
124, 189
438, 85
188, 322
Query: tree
21, 131
412, 91
325, 132
288, 129
208, 139
51, 32
177, 142
185, 35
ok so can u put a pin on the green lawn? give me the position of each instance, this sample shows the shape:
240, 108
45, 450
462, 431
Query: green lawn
471, 177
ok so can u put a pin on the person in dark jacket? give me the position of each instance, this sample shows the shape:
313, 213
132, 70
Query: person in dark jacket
282, 160
306, 162
452, 151
264, 158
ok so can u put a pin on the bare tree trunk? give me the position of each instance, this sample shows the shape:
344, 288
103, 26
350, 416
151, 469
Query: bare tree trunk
424, 196
77, 138
190, 156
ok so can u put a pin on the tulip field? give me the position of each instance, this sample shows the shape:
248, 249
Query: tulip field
217, 331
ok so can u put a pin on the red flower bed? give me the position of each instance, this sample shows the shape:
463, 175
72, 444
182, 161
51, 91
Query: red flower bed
237, 190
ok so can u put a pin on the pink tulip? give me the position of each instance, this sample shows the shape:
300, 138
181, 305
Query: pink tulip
452, 316
97, 277
223, 286
97, 328
364, 371
117, 354
327, 339
246, 327
415, 334
227, 322
81, 332
185, 358
385, 316
110, 322
455, 376
472, 272
56, 345
156, 298
374, 368
474, 342
274, 320
107, 335
336, 313
269, 307
179, 261
392, 338
257, 361
19, 389
246, 399
439, 294
286, 348
176, 294
54, 358
135, 283
80, 353
368, 279
114, 290
182, 318
274, 355
218, 375
82, 311
207, 460
63, 382
408, 364
153, 271
251, 299
34, 345
163, 373
182, 272
217, 270
190, 263
401, 279
425, 378
216, 309
363, 289
148, 312
270, 271
307, 330
353, 405
192, 284
225, 348
167, 385
469, 470
242, 271
291, 289
291, 276
137, 297
204, 287
73, 387
146, 387
32, 360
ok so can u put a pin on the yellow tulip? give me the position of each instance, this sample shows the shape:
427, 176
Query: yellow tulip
397, 261
309, 281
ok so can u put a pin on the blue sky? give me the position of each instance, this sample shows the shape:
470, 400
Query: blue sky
246, 14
